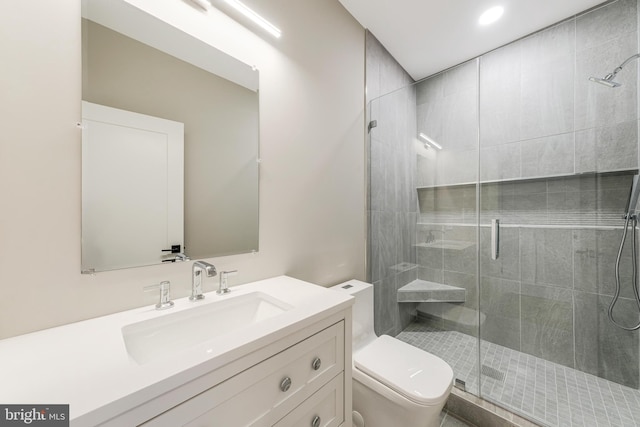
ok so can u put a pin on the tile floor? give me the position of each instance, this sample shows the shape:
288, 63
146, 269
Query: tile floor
448, 420
545, 392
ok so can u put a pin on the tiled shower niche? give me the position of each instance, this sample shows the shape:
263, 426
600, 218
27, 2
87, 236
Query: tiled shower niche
548, 292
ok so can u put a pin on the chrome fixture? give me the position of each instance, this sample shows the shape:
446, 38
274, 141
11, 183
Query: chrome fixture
196, 278
608, 79
633, 195
495, 239
165, 294
179, 257
630, 217
223, 288
182, 257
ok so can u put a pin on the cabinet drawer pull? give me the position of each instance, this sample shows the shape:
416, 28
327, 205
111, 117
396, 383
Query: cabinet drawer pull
316, 363
285, 384
315, 422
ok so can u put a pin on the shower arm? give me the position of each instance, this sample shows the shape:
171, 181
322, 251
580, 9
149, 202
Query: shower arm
619, 68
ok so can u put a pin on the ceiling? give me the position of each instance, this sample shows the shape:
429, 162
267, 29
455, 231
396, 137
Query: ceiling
427, 36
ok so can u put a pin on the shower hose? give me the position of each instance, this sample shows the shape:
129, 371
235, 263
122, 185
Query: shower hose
634, 262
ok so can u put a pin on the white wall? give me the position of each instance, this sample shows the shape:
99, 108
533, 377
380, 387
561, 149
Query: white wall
312, 209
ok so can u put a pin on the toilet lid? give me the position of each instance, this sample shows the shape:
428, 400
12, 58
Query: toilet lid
417, 375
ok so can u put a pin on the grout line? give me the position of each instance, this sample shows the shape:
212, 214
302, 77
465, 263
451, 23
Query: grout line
616, 399
599, 391
607, 407
629, 406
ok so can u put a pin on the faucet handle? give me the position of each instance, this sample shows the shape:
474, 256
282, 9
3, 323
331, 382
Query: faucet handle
165, 294
223, 288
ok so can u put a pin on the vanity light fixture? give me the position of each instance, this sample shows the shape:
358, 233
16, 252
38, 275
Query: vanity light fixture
249, 13
491, 15
203, 4
430, 142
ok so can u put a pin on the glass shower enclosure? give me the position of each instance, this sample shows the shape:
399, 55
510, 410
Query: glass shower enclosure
497, 194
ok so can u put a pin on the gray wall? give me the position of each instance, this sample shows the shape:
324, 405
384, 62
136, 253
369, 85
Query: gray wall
539, 114
447, 112
541, 123
548, 292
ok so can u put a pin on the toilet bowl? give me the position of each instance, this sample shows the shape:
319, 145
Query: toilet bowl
394, 383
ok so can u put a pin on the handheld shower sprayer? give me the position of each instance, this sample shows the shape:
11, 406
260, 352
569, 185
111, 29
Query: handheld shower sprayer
633, 195
629, 218
608, 79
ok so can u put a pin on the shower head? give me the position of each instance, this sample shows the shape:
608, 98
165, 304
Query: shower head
608, 79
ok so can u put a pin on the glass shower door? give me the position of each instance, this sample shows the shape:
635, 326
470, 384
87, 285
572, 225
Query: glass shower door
423, 173
557, 156
497, 191
446, 149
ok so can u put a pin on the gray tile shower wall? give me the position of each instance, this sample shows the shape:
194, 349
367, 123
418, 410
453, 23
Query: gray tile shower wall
393, 213
552, 152
542, 123
539, 114
604, 38
447, 113
601, 348
548, 292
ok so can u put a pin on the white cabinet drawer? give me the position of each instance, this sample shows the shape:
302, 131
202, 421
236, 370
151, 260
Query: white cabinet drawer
323, 409
258, 396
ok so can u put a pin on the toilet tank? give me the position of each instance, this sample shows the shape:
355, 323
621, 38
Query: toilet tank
363, 332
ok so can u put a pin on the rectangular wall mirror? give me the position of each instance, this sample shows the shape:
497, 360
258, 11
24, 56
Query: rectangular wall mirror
169, 143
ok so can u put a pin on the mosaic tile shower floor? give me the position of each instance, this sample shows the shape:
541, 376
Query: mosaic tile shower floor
546, 392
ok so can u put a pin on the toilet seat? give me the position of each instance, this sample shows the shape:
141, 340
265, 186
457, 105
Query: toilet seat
415, 374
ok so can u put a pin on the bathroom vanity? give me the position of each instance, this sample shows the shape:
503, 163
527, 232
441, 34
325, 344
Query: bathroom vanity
276, 352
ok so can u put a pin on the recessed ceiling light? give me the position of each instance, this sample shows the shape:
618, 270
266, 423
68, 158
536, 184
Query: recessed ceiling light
491, 15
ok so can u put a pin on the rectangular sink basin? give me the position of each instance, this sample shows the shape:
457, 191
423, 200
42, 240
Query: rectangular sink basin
169, 334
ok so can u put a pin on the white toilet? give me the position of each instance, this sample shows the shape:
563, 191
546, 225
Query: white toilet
394, 383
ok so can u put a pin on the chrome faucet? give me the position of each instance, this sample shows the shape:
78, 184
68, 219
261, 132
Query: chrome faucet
179, 257
165, 294
223, 288
182, 257
196, 278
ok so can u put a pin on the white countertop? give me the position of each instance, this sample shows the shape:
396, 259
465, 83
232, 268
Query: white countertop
86, 364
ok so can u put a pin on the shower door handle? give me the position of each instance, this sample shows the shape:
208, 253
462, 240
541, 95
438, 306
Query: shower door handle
495, 239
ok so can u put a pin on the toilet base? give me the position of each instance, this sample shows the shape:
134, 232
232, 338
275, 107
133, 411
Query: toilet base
380, 406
